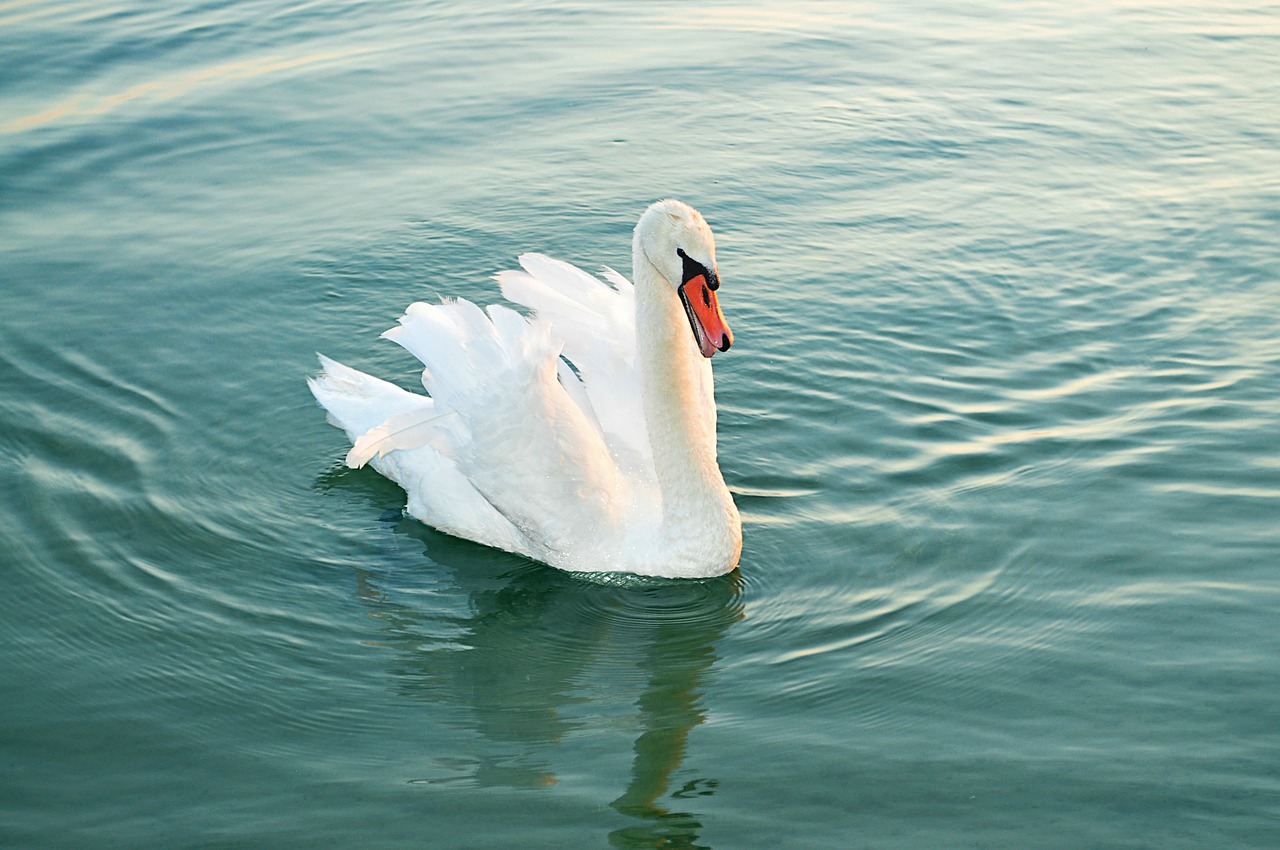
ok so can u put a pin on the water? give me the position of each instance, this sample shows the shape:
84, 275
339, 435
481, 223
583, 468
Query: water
1002, 420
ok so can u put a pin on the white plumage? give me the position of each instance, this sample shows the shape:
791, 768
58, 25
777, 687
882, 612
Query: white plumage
608, 465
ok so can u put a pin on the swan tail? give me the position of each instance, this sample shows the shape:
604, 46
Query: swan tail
356, 402
403, 436
361, 405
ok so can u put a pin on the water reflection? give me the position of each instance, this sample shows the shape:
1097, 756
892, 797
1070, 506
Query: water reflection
530, 655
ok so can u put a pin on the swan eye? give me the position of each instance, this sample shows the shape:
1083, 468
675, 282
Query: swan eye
681, 254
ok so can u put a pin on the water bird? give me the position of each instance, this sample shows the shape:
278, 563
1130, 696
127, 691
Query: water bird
581, 435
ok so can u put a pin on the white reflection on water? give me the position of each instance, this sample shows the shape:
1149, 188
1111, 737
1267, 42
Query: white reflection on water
537, 656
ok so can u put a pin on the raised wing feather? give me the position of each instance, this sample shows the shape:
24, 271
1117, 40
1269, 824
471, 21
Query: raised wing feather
596, 325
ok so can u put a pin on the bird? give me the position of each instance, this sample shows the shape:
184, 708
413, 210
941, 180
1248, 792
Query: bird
580, 432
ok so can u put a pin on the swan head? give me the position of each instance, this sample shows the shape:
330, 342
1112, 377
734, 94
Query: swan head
676, 240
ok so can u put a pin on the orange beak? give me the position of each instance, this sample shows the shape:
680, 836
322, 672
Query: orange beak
709, 326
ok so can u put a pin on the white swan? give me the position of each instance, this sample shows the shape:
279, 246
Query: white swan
605, 465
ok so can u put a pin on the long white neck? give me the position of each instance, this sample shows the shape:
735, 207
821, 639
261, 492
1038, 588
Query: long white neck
699, 516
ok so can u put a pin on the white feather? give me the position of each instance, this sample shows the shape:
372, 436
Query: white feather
397, 433
576, 465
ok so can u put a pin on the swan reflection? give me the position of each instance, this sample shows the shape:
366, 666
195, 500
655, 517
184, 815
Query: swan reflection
529, 656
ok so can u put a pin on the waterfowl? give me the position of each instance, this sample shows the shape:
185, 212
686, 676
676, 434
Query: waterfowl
582, 435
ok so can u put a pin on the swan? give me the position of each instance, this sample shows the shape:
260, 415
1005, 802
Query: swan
582, 435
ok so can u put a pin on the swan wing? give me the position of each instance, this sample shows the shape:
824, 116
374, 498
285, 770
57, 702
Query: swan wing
595, 324
512, 421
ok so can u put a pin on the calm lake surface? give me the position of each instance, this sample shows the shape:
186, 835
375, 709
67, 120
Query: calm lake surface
1003, 420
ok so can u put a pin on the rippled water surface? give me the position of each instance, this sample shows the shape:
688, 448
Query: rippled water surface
1003, 420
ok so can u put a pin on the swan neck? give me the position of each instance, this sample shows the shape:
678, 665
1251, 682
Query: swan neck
679, 405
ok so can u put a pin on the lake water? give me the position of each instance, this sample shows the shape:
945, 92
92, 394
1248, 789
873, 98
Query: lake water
1002, 417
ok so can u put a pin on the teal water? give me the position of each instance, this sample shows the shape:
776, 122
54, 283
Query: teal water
1002, 417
